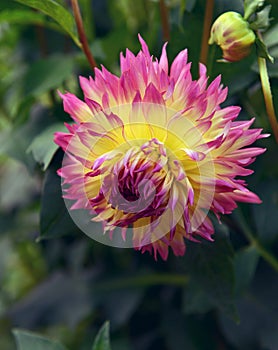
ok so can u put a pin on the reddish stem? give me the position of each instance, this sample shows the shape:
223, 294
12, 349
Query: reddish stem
81, 34
206, 30
164, 20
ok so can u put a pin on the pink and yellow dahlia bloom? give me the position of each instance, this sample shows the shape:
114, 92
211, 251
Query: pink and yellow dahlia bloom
152, 152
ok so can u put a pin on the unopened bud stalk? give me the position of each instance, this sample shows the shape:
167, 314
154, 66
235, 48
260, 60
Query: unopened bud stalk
268, 96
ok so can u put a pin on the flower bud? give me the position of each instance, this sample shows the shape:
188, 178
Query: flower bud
232, 33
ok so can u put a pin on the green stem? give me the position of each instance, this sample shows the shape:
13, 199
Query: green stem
143, 281
81, 34
268, 96
264, 253
267, 92
206, 30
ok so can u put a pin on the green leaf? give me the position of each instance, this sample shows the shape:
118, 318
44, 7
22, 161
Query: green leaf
128, 300
56, 12
212, 271
62, 297
195, 299
43, 146
262, 20
26, 17
251, 6
258, 314
262, 50
55, 220
271, 36
15, 191
47, 74
102, 341
265, 215
246, 261
15, 141
22, 17
30, 341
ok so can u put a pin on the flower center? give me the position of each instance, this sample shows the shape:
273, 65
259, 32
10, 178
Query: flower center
146, 182
135, 181
130, 194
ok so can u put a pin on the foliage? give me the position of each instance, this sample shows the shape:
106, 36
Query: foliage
57, 282
31, 341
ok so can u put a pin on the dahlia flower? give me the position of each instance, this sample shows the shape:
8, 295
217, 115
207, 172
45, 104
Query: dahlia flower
232, 33
151, 152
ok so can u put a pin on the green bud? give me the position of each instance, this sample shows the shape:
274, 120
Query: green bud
232, 33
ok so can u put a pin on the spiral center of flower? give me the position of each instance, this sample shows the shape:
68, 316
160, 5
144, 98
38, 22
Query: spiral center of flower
130, 194
134, 182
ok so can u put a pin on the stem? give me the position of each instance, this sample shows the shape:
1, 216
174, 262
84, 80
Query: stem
164, 20
206, 30
264, 253
143, 281
268, 96
81, 34
41, 40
